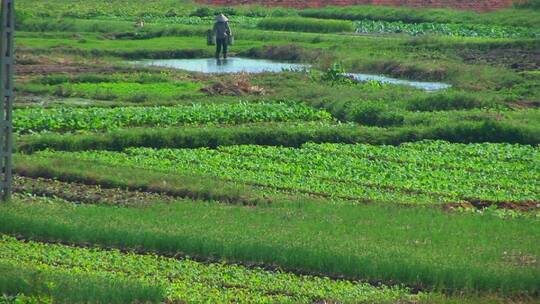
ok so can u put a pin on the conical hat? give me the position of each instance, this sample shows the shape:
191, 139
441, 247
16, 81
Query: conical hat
221, 18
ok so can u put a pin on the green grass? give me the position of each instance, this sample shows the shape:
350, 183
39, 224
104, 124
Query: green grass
419, 247
130, 91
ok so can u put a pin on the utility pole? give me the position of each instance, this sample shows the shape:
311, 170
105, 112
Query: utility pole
7, 61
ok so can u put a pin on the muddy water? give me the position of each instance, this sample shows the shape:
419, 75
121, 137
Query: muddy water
245, 65
230, 65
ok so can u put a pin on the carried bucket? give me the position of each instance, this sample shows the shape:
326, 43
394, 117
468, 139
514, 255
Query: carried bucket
210, 38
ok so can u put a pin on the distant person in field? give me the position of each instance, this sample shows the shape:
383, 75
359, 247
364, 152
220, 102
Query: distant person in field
222, 32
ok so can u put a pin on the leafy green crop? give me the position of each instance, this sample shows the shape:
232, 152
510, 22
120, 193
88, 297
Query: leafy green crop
449, 29
190, 281
425, 172
93, 119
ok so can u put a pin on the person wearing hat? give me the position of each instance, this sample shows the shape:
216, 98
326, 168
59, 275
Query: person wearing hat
222, 32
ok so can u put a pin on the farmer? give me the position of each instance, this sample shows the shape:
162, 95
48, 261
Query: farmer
222, 32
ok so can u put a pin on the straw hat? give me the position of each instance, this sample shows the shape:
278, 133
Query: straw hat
222, 18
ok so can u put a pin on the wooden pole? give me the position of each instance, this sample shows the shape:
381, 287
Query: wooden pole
7, 61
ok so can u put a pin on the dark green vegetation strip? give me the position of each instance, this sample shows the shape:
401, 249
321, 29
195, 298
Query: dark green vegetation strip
418, 247
289, 135
193, 282
527, 18
306, 25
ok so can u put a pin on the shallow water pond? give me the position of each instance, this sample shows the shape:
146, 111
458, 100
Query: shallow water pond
246, 65
230, 65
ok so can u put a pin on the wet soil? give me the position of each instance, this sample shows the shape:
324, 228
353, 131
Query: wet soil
516, 59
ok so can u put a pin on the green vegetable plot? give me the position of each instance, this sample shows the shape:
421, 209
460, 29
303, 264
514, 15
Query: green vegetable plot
74, 119
179, 280
425, 172
449, 29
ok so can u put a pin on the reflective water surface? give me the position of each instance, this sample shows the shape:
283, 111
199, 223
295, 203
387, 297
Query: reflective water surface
229, 65
246, 65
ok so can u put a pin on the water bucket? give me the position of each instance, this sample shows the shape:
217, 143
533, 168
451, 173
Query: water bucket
230, 40
210, 38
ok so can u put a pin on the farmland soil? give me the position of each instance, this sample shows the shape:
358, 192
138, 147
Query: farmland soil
85, 194
516, 59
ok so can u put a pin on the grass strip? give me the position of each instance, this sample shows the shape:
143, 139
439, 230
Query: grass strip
419, 247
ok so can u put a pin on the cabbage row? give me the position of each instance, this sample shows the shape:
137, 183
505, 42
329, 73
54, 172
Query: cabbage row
449, 29
186, 280
425, 172
101, 119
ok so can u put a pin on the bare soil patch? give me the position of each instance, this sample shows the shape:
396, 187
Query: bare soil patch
85, 194
234, 87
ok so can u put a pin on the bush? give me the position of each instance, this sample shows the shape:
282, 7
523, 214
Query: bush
228, 11
202, 12
298, 24
446, 101
530, 4
370, 114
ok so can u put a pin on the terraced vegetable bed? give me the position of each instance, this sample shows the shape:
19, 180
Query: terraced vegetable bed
151, 277
425, 172
98, 119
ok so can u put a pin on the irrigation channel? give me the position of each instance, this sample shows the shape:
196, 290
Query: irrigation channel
245, 65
